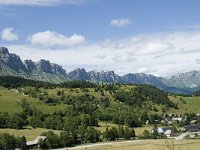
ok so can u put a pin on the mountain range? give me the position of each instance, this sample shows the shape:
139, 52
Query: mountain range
43, 70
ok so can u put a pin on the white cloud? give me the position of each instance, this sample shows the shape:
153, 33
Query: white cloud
120, 22
197, 61
40, 2
158, 54
127, 58
8, 35
100, 56
51, 39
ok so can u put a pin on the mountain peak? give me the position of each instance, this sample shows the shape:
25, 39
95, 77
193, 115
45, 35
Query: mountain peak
12, 61
4, 50
42, 61
78, 74
11, 64
29, 64
80, 70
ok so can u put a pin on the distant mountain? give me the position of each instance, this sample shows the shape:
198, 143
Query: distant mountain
142, 78
11, 64
111, 77
43, 70
10, 60
137, 78
78, 74
184, 80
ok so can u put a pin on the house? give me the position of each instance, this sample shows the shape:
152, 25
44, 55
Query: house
167, 131
177, 119
182, 129
193, 122
31, 144
162, 121
193, 128
169, 120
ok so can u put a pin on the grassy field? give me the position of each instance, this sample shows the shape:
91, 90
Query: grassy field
10, 101
145, 145
138, 131
191, 105
29, 133
103, 125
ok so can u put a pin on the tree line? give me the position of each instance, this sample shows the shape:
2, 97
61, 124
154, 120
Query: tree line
9, 142
15, 82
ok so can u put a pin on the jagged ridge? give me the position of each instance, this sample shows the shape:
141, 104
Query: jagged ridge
43, 70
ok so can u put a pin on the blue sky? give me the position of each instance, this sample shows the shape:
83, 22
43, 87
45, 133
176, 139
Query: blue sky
150, 36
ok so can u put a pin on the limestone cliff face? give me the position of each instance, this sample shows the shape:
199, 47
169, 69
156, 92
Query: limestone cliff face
11, 64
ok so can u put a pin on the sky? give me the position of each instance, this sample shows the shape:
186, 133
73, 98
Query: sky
158, 37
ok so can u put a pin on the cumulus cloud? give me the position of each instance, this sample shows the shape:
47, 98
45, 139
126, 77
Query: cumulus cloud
40, 2
8, 35
54, 39
120, 22
158, 54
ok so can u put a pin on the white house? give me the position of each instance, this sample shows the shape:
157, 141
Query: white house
36, 141
166, 131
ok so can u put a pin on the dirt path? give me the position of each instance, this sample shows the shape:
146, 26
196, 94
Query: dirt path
85, 146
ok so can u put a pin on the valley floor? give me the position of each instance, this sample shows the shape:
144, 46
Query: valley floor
141, 145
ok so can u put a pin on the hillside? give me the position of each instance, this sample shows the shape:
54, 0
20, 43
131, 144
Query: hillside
10, 102
11, 98
104, 96
102, 111
49, 97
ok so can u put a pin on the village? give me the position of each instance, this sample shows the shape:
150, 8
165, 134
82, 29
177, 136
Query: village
179, 127
170, 127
